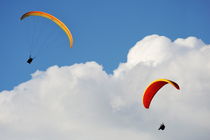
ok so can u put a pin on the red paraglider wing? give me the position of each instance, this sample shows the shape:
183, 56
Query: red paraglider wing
153, 88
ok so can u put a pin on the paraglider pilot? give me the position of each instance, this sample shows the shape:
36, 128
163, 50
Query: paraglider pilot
162, 127
30, 59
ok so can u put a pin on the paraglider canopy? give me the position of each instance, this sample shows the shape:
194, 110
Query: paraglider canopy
52, 18
153, 88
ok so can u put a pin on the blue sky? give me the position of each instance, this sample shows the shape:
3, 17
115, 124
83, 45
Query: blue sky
103, 31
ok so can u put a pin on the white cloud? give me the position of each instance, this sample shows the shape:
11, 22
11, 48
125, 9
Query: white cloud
84, 102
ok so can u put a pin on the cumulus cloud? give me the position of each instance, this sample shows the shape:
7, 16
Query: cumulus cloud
82, 101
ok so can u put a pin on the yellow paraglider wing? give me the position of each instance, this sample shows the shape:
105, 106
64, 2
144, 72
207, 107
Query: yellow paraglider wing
54, 19
153, 88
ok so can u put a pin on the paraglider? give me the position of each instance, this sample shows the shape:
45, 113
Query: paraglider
35, 40
153, 88
162, 127
30, 59
151, 91
52, 18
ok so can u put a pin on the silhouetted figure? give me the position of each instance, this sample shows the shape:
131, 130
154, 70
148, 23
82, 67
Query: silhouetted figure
30, 59
162, 127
